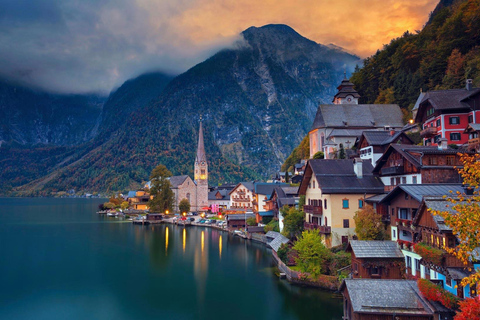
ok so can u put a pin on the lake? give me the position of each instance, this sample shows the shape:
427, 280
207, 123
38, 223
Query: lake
61, 260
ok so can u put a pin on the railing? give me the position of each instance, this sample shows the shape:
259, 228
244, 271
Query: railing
321, 229
241, 200
430, 131
313, 209
392, 170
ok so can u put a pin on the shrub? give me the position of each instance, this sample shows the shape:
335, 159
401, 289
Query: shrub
433, 292
429, 253
283, 253
469, 309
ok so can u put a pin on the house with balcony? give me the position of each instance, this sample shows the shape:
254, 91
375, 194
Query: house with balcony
373, 144
242, 197
262, 191
473, 131
434, 235
281, 196
447, 113
403, 204
411, 164
376, 260
334, 190
138, 200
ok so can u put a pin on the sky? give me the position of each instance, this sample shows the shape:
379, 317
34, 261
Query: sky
83, 46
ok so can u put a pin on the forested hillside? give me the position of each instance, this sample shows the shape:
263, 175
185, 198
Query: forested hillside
441, 56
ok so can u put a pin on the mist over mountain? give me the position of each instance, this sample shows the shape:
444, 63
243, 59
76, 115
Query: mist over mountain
257, 102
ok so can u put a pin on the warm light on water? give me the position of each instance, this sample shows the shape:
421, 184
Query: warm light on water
60, 260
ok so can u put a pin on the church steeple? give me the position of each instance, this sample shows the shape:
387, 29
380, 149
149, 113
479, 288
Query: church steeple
201, 171
201, 157
346, 93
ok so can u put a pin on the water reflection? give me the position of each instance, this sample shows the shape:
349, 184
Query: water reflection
184, 239
220, 247
166, 241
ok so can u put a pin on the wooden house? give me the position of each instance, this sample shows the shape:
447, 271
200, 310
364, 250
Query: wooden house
281, 196
242, 197
433, 233
411, 164
373, 144
376, 260
378, 299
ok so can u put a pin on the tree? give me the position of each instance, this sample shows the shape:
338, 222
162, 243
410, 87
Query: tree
108, 205
369, 225
292, 221
124, 205
465, 223
341, 152
287, 178
251, 221
469, 309
161, 190
319, 155
184, 206
313, 256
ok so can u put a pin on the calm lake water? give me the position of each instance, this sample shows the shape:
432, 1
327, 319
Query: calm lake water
60, 260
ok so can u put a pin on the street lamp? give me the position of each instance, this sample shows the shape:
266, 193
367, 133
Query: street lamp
166, 211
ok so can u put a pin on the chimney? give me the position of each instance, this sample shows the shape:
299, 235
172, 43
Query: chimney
392, 132
442, 144
469, 85
358, 167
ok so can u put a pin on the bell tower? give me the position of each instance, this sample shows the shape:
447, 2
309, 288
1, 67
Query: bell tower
346, 93
201, 172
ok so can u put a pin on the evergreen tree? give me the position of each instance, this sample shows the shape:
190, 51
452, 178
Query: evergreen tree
341, 152
184, 206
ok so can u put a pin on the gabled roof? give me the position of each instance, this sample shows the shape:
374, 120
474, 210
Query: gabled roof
375, 249
175, 181
338, 176
400, 297
472, 127
418, 191
383, 137
250, 185
453, 99
413, 154
277, 239
437, 204
287, 201
267, 188
212, 195
367, 116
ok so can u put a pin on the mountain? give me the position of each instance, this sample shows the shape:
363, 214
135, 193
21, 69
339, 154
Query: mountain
441, 56
257, 100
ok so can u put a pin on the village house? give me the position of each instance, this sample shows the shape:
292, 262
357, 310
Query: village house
373, 144
238, 220
281, 196
261, 195
242, 197
342, 123
334, 190
447, 113
411, 164
435, 235
403, 204
380, 299
138, 200
220, 198
376, 259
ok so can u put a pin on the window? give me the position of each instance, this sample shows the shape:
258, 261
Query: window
417, 264
346, 223
454, 120
360, 204
432, 161
397, 180
455, 136
375, 271
404, 213
414, 179
392, 181
438, 122
345, 204
448, 281
436, 138
409, 261
470, 118
450, 160
313, 184
325, 204
430, 111
404, 180
394, 233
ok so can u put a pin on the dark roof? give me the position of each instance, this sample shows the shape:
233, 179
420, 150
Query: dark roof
346, 88
212, 195
472, 127
374, 296
239, 216
278, 239
287, 201
376, 198
175, 181
367, 116
250, 185
382, 137
267, 188
375, 249
338, 176
418, 191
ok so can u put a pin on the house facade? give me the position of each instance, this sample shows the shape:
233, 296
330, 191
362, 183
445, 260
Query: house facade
373, 144
334, 190
242, 197
447, 113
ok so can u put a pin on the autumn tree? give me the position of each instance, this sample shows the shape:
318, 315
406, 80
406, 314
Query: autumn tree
313, 256
465, 222
369, 225
184, 206
161, 190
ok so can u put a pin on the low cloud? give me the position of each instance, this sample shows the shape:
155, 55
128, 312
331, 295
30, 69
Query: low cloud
78, 46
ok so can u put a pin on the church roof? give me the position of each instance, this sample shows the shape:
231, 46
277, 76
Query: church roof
175, 181
201, 156
367, 116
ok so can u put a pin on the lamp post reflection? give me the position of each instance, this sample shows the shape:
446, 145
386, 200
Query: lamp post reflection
220, 246
166, 241
184, 239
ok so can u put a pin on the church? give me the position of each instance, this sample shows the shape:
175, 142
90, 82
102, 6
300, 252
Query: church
195, 191
341, 123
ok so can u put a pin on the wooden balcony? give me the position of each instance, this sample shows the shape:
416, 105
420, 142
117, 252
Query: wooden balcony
313, 209
392, 170
428, 132
320, 229
473, 143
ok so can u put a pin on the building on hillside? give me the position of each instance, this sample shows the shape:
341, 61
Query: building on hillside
367, 299
138, 200
431, 230
447, 113
334, 190
373, 144
473, 131
411, 164
376, 260
343, 122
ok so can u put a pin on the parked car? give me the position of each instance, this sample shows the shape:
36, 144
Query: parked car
202, 221
191, 219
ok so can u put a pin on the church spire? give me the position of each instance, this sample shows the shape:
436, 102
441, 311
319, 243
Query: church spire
201, 156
